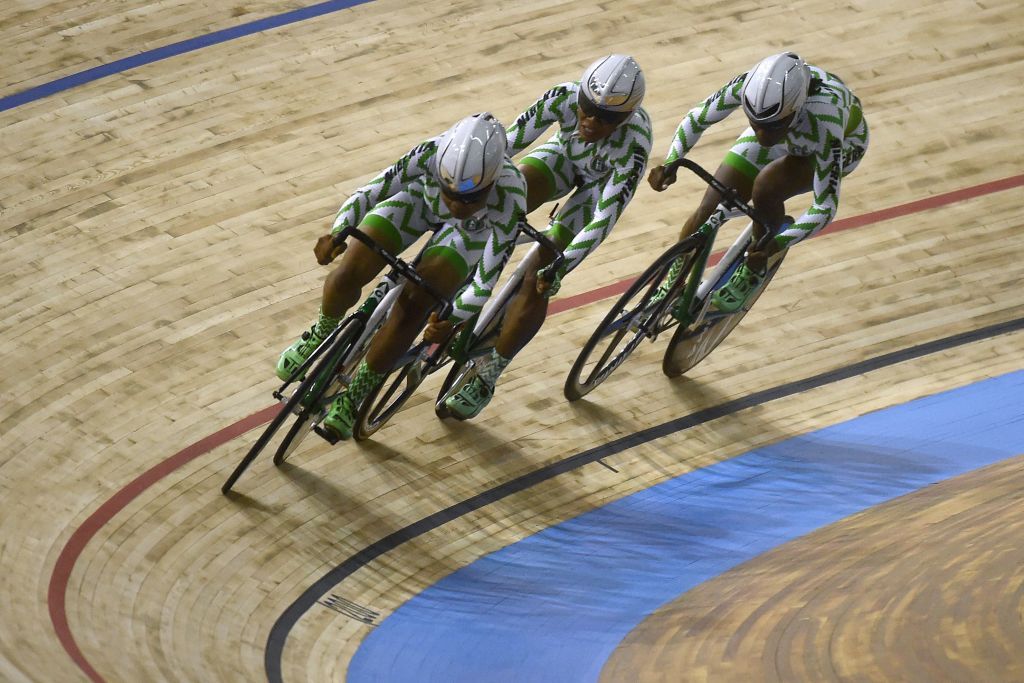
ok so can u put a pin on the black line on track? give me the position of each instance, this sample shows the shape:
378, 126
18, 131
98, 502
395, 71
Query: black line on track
283, 626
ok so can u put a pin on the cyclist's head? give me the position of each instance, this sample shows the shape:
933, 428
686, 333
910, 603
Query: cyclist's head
470, 156
610, 90
774, 92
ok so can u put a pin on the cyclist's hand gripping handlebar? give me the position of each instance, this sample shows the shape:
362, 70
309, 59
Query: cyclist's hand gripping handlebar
401, 267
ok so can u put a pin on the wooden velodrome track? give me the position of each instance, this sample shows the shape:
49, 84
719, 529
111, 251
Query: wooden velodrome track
157, 226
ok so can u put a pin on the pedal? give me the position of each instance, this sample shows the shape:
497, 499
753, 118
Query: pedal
327, 435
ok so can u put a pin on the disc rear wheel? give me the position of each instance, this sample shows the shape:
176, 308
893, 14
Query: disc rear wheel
692, 344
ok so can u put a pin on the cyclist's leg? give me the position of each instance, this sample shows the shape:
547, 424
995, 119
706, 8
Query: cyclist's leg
738, 170
357, 267
763, 174
780, 180
391, 226
445, 264
548, 174
526, 311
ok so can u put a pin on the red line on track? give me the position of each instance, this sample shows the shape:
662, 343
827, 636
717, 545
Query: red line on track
60, 578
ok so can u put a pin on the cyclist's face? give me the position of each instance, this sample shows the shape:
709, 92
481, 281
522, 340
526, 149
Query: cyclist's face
596, 124
773, 134
461, 209
592, 129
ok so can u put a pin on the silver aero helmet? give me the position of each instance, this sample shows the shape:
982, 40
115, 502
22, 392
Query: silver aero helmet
775, 88
612, 88
470, 156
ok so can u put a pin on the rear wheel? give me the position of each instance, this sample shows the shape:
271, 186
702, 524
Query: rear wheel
474, 347
641, 313
692, 344
390, 395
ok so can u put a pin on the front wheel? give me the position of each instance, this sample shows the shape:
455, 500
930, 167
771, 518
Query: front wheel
693, 343
323, 381
641, 313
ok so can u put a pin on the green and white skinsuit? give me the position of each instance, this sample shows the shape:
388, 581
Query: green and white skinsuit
404, 202
830, 129
602, 177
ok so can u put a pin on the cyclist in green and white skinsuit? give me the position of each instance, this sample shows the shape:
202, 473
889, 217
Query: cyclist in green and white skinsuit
599, 154
807, 131
461, 184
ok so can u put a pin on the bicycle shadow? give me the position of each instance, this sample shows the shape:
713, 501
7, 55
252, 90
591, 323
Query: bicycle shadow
702, 395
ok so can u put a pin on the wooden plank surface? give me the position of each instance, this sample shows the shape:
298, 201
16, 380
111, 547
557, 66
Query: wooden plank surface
156, 229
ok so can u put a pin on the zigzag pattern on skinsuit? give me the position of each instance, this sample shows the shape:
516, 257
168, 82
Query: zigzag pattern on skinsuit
819, 132
414, 164
602, 175
505, 209
408, 198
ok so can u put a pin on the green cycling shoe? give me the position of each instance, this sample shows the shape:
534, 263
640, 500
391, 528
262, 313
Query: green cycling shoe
470, 399
737, 290
296, 354
341, 417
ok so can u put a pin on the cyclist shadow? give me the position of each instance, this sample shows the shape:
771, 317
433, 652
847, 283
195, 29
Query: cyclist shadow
322, 488
602, 420
706, 403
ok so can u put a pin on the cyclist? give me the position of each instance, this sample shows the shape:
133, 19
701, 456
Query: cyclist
463, 185
598, 153
807, 131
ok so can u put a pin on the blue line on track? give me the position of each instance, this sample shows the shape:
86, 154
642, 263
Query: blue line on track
173, 50
554, 606
291, 615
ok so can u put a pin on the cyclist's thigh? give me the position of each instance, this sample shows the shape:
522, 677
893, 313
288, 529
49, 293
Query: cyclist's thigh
458, 247
783, 178
443, 270
748, 157
548, 162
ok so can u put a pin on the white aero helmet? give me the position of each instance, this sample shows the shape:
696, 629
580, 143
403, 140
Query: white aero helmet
470, 156
611, 88
775, 88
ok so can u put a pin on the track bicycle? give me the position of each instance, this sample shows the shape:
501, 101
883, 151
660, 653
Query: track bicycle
331, 366
675, 293
328, 370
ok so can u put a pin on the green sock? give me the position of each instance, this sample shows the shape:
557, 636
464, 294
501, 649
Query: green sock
492, 368
363, 383
325, 324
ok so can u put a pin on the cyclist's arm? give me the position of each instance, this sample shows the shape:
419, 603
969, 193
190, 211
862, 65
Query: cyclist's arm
555, 106
828, 173
504, 215
703, 116
615, 195
390, 181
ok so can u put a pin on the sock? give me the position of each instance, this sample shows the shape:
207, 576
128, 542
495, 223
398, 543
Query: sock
362, 383
325, 324
492, 368
673, 274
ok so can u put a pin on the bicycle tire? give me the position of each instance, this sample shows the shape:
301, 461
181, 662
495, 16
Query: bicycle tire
381, 404
334, 358
632, 312
691, 345
478, 346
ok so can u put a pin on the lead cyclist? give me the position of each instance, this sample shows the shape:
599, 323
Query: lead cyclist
598, 153
807, 131
463, 185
